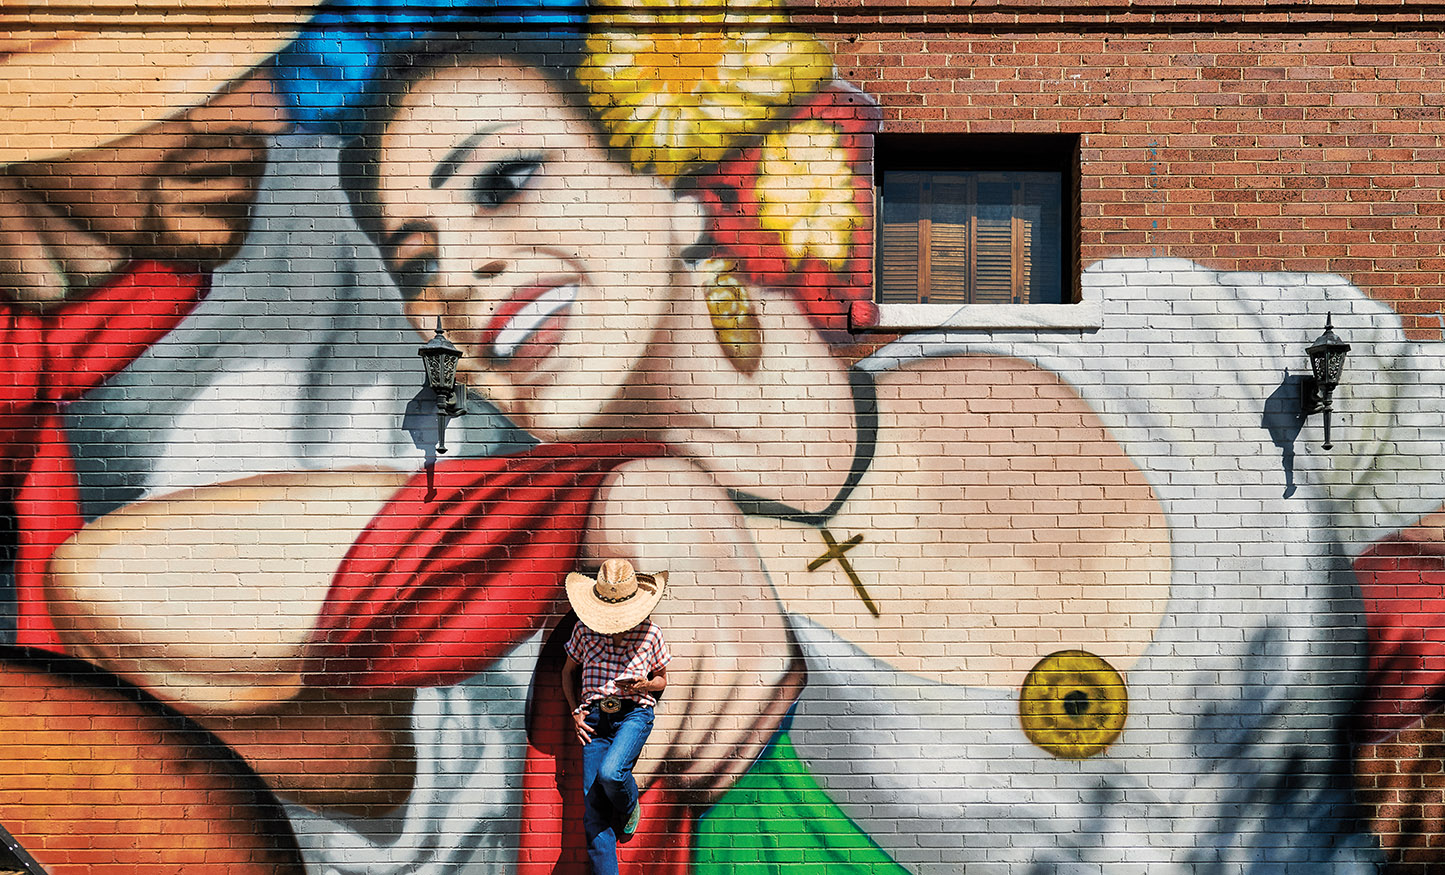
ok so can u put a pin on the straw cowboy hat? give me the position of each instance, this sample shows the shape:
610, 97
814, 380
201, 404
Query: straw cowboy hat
102, 74
618, 599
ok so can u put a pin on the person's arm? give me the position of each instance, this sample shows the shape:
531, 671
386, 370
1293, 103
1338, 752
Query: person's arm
658, 682
570, 670
571, 674
655, 683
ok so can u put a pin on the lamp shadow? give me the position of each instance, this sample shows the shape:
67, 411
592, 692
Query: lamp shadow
1283, 420
420, 422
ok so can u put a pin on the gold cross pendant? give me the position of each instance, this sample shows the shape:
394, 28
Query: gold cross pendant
835, 552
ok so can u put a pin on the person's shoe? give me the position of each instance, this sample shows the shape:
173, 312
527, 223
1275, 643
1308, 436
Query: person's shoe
632, 820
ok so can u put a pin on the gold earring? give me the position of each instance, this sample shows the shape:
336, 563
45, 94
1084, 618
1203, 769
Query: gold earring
734, 318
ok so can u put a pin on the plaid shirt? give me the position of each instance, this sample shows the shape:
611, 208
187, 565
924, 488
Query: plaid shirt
641, 652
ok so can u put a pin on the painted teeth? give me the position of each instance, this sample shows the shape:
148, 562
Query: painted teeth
528, 319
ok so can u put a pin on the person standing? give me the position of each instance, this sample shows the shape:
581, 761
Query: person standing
621, 659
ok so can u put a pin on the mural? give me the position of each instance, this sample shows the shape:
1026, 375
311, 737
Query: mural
1014, 601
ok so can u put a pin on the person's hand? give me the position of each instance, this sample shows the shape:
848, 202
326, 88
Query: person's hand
579, 723
635, 686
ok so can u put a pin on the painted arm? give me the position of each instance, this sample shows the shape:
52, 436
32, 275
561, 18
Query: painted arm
231, 596
209, 597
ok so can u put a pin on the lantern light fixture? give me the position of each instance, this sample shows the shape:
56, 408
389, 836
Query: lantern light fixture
1327, 363
439, 358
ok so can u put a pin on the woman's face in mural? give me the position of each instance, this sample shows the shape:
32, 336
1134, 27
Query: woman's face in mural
553, 267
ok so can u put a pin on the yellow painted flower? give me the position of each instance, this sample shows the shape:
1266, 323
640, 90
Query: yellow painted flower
679, 85
805, 191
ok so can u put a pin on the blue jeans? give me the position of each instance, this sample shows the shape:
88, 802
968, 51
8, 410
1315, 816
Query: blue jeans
609, 790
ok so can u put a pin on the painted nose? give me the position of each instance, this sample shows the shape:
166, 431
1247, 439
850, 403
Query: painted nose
464, 263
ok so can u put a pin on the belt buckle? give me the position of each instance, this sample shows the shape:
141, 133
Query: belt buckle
611, 704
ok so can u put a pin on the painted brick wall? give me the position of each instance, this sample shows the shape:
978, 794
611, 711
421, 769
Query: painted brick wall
955, 599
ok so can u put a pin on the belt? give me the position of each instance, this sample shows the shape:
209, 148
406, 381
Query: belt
613, 704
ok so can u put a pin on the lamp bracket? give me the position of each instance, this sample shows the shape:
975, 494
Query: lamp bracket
1310, 400
453, 403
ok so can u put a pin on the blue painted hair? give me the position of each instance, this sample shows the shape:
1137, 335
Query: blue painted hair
327, 74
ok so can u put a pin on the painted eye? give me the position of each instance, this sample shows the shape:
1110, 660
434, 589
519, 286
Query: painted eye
502, 181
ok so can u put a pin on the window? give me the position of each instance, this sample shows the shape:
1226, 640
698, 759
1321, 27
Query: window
977, 219
970, 238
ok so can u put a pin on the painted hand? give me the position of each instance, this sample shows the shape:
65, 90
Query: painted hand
735, 668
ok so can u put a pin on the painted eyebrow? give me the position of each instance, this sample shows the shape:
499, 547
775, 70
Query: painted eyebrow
447, 167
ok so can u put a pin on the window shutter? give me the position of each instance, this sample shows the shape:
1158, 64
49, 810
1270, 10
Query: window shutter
948, 242
900, 266
1040, 216
995, 279
1024, 258
900, 263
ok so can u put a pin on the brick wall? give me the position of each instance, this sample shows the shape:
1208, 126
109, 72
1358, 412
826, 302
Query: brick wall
995, 600
1285, 137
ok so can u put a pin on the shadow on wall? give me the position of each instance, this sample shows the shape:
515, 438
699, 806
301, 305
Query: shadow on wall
1283, 420
8, 547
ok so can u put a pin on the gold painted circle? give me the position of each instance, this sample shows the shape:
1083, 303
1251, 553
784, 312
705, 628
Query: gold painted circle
1073, 704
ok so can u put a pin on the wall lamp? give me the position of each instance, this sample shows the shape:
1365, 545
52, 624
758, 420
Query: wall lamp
439, 357
1327, 362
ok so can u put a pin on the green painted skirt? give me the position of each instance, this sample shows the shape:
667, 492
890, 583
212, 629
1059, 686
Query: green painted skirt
776, 818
